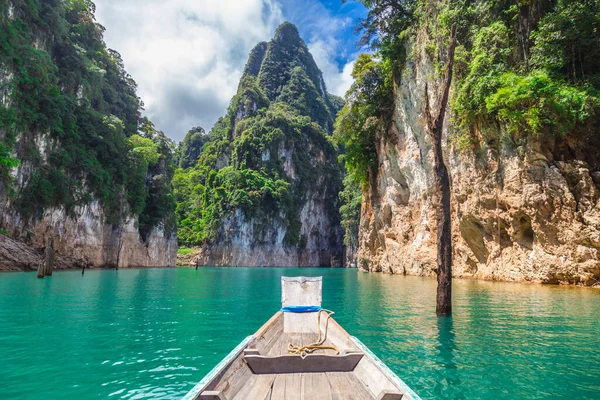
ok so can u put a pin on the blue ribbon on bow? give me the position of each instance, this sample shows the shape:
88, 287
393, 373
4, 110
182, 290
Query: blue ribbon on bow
301, 309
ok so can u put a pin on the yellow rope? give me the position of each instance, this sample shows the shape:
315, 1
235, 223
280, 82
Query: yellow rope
318, 345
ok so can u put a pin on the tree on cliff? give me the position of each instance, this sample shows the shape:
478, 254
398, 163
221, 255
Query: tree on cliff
442, 188
383, 29
64, 86
189, 149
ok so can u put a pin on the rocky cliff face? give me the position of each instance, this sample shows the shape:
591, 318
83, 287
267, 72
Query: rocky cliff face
81, 238
237, 246
519, 213
269, 174
69, 172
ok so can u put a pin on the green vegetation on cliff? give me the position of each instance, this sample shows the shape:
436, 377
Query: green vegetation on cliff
366, 116
189, 149
351, 201
531, 67
265, 157
522, 69
69, 113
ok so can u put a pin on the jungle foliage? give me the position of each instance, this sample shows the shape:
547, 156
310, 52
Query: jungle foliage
62, 89
528, 68
351, 202
532, 67
261, 159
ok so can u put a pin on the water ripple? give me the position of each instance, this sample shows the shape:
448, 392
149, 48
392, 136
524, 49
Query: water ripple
134, 334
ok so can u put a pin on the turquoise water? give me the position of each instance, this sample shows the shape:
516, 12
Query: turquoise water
135, 334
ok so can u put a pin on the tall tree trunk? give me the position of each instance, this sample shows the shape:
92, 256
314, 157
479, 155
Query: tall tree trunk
524, 31
442, 188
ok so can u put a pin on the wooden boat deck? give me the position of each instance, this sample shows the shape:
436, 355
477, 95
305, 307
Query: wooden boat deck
305, 386
309, 386
261, 368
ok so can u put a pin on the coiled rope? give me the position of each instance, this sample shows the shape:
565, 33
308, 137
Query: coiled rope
303, 351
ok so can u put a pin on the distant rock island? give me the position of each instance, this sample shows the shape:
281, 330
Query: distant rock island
264, 191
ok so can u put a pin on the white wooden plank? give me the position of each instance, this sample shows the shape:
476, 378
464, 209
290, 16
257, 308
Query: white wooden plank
337, 335
275, 349
258, 387
212, 395
293, 386
261, 389
300, 291
278, 391
269, 332
345, 386
315, 387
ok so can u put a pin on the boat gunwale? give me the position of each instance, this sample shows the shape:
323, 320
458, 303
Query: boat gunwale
221, 366
385, 370
229, 358
371, 367
244, 344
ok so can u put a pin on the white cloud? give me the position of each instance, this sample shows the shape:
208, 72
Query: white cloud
338, 82
187, 56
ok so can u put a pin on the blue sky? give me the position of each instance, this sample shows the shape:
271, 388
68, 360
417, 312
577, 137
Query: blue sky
342, 15
187, 56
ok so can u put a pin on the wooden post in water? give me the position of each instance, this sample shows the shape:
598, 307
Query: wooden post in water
49, 259
443, 210
41, 272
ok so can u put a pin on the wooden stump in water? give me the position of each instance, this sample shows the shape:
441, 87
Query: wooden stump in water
49, 259
47, 264
41, 269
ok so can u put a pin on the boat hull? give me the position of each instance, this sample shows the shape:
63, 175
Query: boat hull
304, 355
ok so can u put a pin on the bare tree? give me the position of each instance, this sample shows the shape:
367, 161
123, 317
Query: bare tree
442, 188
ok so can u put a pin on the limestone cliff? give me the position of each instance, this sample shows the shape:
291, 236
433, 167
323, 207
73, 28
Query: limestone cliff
78, 164
526, 212
81, 238
265, 190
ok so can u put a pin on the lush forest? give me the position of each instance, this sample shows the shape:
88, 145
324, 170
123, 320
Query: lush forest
531, 67
522, 69
64, 92
281, 115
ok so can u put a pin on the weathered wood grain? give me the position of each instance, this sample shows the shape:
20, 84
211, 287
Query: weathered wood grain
316, 387
278, 390
294, 363
212, 395
258, 387
293, 387
300, 291
268, 334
